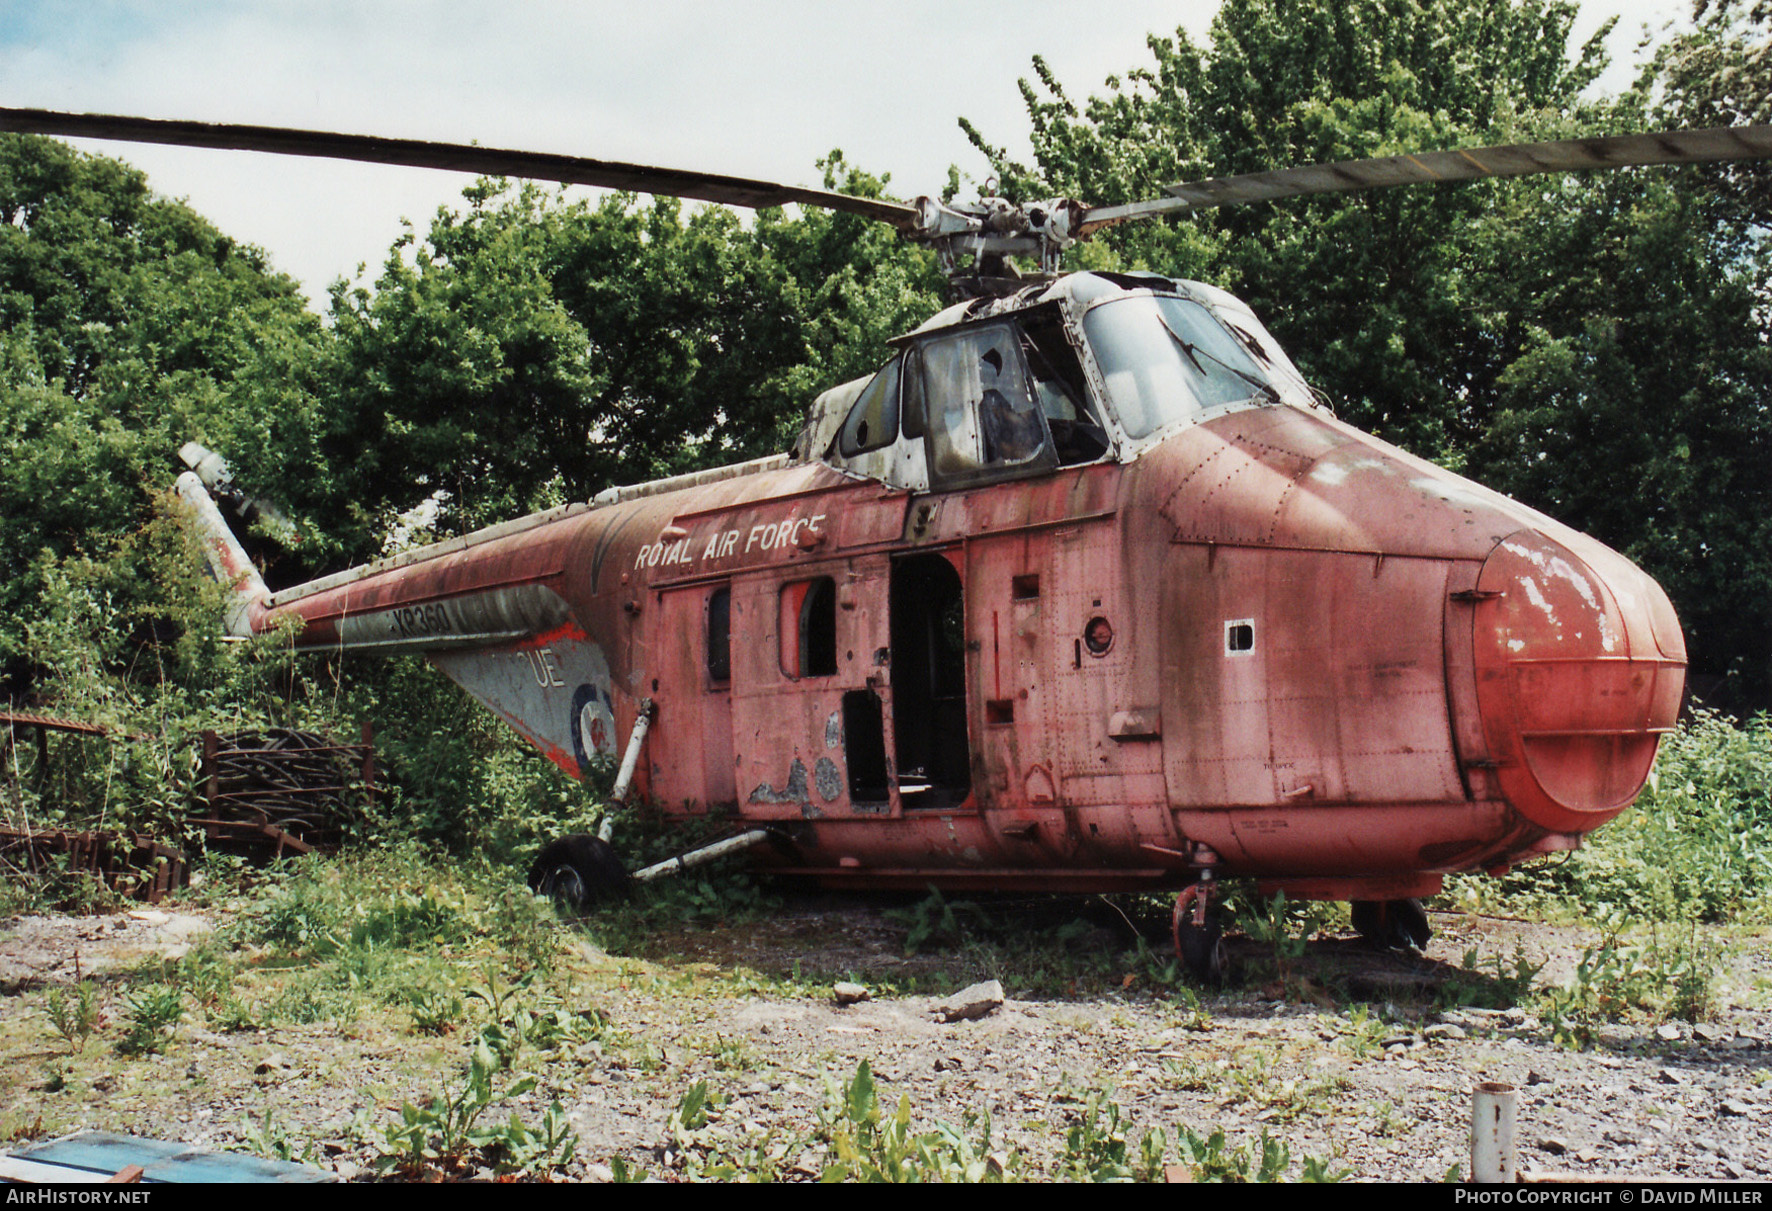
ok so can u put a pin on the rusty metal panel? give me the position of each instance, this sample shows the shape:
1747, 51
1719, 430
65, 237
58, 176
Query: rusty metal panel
1215, 708
788, 733
689, 748
1573, 684
1357, 683
1475, 761
870, 518
1005, 698
1284, 477
1350, 839
1339, 694
1097, 637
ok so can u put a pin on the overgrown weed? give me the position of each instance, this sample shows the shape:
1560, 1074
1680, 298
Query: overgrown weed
73, 1014
1670, 975
1695, 846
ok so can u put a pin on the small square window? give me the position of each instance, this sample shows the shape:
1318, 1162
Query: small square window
1239, 637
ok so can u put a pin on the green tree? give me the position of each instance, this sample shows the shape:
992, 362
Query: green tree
1369, 291
534, 350
128, 325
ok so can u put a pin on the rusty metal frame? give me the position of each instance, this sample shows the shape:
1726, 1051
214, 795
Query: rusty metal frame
106, 856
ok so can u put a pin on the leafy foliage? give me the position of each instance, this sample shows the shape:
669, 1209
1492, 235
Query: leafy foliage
1615, 981
448, 1129
534, 350
154, 1011
868, 1144
130, 326
73, 1016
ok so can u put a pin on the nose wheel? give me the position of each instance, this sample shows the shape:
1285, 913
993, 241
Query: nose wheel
1199, 937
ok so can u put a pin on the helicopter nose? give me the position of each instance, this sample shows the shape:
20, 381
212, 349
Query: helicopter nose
1580, 670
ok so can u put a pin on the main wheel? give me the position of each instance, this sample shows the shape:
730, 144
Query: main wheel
1199, 943
1411, 921
1392, 924
1202, 950
578, 872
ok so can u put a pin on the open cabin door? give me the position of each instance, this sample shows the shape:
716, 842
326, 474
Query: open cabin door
932, 748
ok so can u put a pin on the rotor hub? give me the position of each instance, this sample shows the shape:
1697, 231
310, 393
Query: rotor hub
975, 240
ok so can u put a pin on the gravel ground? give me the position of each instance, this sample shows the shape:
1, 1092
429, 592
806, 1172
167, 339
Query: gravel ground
1385, 1097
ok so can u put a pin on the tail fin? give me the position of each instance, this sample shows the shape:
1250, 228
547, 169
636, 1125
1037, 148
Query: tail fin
216, 475
227, 558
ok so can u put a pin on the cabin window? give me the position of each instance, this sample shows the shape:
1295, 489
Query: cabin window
873, 421
1239, 636
808, 628
720, 635
911, 409
1168, 359
981, 410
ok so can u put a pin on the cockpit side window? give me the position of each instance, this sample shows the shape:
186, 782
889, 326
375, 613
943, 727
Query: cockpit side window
1078, 435
873, 422
983, 414
913, 411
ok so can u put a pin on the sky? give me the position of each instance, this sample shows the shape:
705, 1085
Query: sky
744, 87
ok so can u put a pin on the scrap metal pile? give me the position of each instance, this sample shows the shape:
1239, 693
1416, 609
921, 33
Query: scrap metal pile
132, 863
281, 790
263, 794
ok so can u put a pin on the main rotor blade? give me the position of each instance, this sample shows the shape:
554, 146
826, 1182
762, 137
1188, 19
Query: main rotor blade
457, 157
1511, 160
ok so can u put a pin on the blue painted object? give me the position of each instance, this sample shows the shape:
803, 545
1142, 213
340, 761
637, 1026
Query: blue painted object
102, 1154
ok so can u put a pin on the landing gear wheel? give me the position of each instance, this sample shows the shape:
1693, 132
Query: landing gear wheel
1202, 949
1410, 918
1199, 940
578, 872
1392, 924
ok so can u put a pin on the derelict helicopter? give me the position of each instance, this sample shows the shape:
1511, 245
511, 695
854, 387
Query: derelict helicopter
1085, 590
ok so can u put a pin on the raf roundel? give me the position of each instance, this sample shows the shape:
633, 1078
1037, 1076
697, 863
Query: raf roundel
593, 724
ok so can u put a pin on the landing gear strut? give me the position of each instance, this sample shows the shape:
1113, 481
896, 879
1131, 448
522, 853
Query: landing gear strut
1392, 924
1199, 938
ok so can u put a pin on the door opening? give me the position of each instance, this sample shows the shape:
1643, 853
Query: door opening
929, 682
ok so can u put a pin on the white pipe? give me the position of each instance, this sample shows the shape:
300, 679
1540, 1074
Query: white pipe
629, 761
696, 857
1493, 1109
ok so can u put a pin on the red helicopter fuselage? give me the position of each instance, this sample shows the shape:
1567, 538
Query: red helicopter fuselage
1016, 616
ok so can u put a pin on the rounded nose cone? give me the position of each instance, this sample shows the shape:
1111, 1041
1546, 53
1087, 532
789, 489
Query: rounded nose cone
1580, 669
